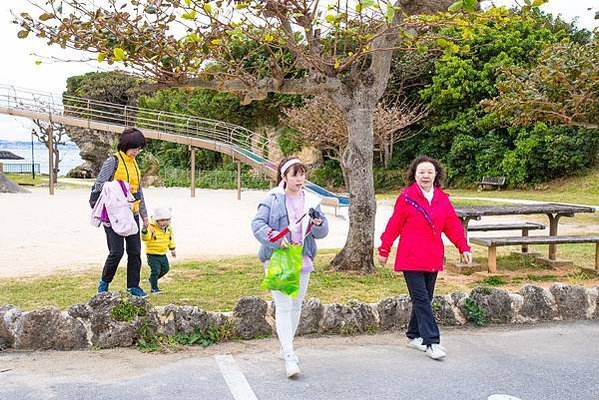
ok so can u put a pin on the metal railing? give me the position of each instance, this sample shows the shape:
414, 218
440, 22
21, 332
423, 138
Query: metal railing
19, 168
14, 98
99, 115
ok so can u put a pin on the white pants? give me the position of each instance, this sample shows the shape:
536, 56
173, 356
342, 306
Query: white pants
287, 313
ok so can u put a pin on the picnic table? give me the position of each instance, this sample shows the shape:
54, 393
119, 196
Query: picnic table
554, 212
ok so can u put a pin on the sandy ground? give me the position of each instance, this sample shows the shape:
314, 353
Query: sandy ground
42, 234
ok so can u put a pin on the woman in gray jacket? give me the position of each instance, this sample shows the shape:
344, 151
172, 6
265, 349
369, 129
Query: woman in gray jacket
289, 214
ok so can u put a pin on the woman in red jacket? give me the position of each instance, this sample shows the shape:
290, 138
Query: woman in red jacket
422, 212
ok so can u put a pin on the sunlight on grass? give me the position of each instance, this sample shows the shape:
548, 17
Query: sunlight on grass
218, 284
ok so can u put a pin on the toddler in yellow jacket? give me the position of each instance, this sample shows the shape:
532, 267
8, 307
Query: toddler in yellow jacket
159, 240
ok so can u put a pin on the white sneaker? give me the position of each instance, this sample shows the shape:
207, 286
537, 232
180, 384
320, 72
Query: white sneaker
291, 367
282, 356
435, 351
416, 343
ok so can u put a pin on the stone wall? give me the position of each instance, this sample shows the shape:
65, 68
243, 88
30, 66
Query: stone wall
116, 320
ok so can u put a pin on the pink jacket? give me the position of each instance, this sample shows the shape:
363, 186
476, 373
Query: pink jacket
419, 226
114, 209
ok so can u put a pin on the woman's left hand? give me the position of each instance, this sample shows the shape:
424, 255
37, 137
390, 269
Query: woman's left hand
146, 223
467, 257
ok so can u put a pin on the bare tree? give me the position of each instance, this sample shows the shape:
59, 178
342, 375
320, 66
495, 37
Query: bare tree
59, 138
323, 126
390, 123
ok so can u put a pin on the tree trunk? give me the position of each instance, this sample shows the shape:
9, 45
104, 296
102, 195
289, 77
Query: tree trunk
345, 178
356, 255
386, 154
56, 163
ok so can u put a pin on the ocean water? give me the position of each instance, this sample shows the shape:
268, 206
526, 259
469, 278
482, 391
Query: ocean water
69, 155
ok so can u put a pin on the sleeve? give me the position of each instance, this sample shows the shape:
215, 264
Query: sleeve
105, 175
262, 231
143, 211
454, 230
321, 231
171, 244
394, 226
147, 236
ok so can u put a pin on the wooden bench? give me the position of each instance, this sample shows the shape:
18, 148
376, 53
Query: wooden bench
497, 181
493, 242
524, 226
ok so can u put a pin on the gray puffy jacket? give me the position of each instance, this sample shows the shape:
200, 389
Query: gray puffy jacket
272, 217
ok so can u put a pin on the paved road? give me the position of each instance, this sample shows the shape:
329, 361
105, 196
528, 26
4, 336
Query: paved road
546, 362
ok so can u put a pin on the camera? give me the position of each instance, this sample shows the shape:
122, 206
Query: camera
314, 214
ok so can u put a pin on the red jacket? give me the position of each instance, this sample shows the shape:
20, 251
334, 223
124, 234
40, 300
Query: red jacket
419, 226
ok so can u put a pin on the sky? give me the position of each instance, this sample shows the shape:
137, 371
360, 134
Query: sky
19, 68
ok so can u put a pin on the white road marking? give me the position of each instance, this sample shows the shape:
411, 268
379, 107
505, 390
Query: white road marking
239, 386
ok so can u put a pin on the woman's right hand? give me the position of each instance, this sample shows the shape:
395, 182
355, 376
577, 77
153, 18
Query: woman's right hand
383, 260
284, 242
467, 257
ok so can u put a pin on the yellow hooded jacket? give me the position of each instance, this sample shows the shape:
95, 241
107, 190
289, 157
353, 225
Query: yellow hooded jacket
158, 240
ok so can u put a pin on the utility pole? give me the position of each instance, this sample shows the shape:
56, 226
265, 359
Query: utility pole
32, 156
51, 159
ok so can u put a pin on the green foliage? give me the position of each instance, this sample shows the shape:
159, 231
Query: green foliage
549, 152
473, 141
436, 305
388, 179
113, 87
220, 106
494, 281
474, 312
485, 290
562, 89
214, 179
542, 278
289, 140
329, 175
577, 277
149, 340
210, 104
127, 311
209, 336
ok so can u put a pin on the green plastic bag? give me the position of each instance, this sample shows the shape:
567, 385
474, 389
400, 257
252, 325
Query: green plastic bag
284, 269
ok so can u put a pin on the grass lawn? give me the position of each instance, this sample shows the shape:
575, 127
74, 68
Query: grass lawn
578, 190
27, 179
217, 284
42, 180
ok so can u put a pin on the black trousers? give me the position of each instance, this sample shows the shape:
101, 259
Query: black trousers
421, 286
116, 250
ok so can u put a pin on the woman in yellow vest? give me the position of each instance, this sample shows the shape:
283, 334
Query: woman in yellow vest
122, 166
